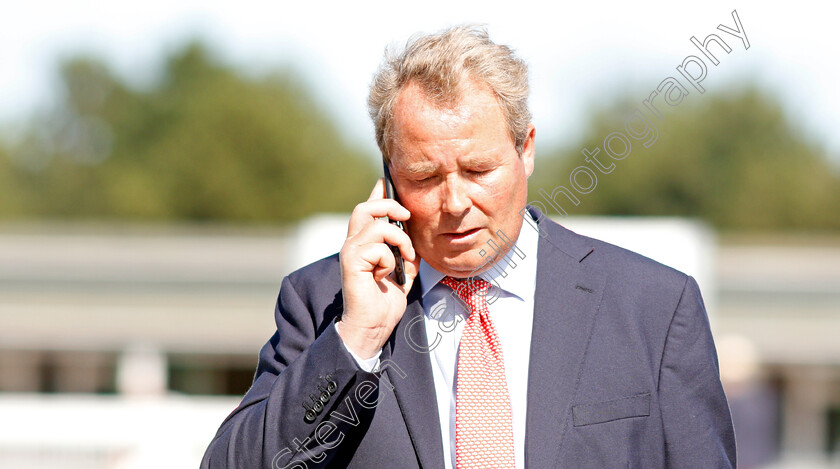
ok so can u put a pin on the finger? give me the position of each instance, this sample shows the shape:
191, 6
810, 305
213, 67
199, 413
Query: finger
378, 191
376, 259
412, 268
380, 231
367, 212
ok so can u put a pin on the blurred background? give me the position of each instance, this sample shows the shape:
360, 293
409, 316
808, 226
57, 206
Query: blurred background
164, 165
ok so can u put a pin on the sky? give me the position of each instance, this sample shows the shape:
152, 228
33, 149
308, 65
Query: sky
579, 54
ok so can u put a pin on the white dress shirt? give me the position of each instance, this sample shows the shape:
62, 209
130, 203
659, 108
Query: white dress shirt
511, 307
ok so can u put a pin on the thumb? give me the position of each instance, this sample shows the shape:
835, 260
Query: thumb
412, 270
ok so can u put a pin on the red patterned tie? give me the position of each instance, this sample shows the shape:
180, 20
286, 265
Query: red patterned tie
483, 416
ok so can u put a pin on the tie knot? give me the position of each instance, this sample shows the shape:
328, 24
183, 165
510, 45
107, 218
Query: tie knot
467, 289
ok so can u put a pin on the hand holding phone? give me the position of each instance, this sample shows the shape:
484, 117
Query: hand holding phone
373, 299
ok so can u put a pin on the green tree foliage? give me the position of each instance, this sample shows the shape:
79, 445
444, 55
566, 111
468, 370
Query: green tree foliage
731, 159
205, 143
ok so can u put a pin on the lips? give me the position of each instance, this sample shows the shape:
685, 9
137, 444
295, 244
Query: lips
463, 234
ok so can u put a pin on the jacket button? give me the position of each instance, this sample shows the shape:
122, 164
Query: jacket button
310, 414
317, 406
325, 395
332, 386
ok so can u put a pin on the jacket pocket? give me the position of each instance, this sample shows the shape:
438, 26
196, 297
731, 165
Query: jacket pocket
615, 409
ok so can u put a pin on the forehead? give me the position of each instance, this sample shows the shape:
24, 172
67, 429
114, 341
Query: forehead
422, 127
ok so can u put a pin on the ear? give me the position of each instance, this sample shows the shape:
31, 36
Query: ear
528, 151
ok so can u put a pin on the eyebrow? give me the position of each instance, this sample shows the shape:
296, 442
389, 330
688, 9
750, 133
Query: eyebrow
419, 168
481, 160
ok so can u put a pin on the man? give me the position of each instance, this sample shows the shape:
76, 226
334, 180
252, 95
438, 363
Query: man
560, 351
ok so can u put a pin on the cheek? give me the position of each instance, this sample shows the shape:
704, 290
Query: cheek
495, 189
423, 209
502, 190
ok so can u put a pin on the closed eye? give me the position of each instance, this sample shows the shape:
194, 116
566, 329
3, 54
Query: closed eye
479, 172
423, 179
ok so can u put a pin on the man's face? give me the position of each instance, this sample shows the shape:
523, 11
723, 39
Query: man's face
457, 171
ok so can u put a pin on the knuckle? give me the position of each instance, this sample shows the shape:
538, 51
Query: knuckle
346, 250
358, 208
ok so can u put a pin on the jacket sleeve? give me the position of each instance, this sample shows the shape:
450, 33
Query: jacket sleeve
298, 410
697, 423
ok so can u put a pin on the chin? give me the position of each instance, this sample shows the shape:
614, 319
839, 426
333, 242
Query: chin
461, 266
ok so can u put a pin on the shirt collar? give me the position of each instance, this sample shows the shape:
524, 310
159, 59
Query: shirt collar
519, 281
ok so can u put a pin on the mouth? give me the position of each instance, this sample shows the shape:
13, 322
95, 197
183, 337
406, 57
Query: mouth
463, 235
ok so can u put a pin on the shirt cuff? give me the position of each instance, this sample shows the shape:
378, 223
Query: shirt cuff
368, 365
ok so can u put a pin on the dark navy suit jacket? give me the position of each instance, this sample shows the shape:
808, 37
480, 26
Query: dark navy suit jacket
623, 374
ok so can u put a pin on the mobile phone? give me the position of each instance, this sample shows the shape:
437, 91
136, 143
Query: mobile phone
390, 193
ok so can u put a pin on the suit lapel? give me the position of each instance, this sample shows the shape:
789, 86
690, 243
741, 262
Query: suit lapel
414, 388
566, 301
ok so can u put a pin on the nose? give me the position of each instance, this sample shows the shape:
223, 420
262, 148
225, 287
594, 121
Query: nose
456, 200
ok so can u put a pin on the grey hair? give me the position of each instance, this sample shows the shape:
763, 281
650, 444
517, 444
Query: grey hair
440, 64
